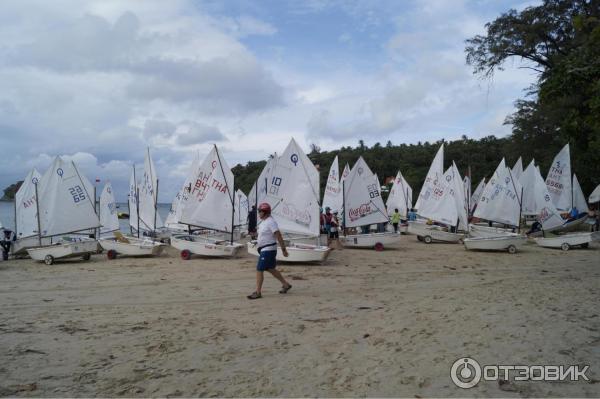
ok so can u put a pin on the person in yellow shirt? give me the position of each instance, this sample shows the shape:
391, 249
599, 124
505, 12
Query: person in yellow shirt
395, 220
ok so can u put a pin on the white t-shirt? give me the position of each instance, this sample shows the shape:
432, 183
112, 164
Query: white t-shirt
266, 234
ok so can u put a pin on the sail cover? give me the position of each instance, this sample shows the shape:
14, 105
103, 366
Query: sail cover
65, 204
26, 223
362, 197
108, 210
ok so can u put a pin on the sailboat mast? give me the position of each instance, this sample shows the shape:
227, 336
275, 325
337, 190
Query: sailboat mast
37, 209
343, 204
155, 210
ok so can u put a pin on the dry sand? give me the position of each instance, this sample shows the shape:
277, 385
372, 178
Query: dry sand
365, 324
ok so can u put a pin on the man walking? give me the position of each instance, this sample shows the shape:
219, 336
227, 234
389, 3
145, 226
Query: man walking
268, 237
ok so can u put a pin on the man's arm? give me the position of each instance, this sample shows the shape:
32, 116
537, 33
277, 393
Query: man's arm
281, 243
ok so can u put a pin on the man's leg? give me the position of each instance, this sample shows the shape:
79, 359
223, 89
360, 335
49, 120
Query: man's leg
260, 277
278, 276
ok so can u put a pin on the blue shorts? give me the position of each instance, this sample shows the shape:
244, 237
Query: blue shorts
266, 260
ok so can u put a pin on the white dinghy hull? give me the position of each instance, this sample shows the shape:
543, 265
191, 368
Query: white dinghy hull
430, 233
19, 247
478, 231
568, 226
373, 240
201, 245
506, 243
297, 253
567, 241
135, 246
83, 247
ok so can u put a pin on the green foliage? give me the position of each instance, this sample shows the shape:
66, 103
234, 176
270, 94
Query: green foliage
561, 40
11, 191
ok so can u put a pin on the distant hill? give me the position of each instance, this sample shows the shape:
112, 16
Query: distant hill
11, 191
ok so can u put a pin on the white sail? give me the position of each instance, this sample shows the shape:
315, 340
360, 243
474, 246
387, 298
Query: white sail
528, 181
517, 169
210, 203
108, 210
467, 190
26, 223
547, 214
346, 172
172, 221
476, 195
362, 197
440, 204
332, 197
436, 171
132, 198
293, 192
595, 195
559, 180
500, 201
65, 204
400, 197
459, 195
257, 195
241, 208
578, 198
148, 192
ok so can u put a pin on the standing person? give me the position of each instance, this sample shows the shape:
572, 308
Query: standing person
334, 230
252, 222
268, 237
395, 220
328, 216
6, 241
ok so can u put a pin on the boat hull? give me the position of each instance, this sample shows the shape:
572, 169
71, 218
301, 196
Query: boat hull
297, 252
62, 250
567, 226
200, 245
506, 243
19, 247
567, 241
430, 233
135, 246
370, 240
477, 231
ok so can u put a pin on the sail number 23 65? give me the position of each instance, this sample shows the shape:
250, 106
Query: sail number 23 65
77, 193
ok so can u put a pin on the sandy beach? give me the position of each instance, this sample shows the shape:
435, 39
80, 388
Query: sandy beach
365, 323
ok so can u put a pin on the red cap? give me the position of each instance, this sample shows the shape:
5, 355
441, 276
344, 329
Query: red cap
265, 207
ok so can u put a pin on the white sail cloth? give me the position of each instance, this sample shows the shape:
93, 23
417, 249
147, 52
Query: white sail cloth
517, 169
26, 223
211, 199
333, 197
293, 192
132, 199
172, 221
362, 197
65, 203
500, 201
259, 189
400, 196
559, 180
578, 198
241, 208
595, 195
446, 200
436, 171
108, 210
148, 194
476, 195
547, 214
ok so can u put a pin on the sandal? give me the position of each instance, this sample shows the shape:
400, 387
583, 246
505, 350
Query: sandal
255, 295
285, 289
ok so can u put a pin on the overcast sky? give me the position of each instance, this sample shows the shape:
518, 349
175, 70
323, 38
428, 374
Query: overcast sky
99, 81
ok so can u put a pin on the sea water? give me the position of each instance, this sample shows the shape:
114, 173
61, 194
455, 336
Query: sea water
7, 214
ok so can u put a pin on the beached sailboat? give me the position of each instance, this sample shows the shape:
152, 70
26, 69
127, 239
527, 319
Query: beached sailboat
172, 221
64, 205
332, 197
364, 206
292, 190
400, 197
26, 226
117, 244
500, 202
241, 209
444, 203
209, 206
